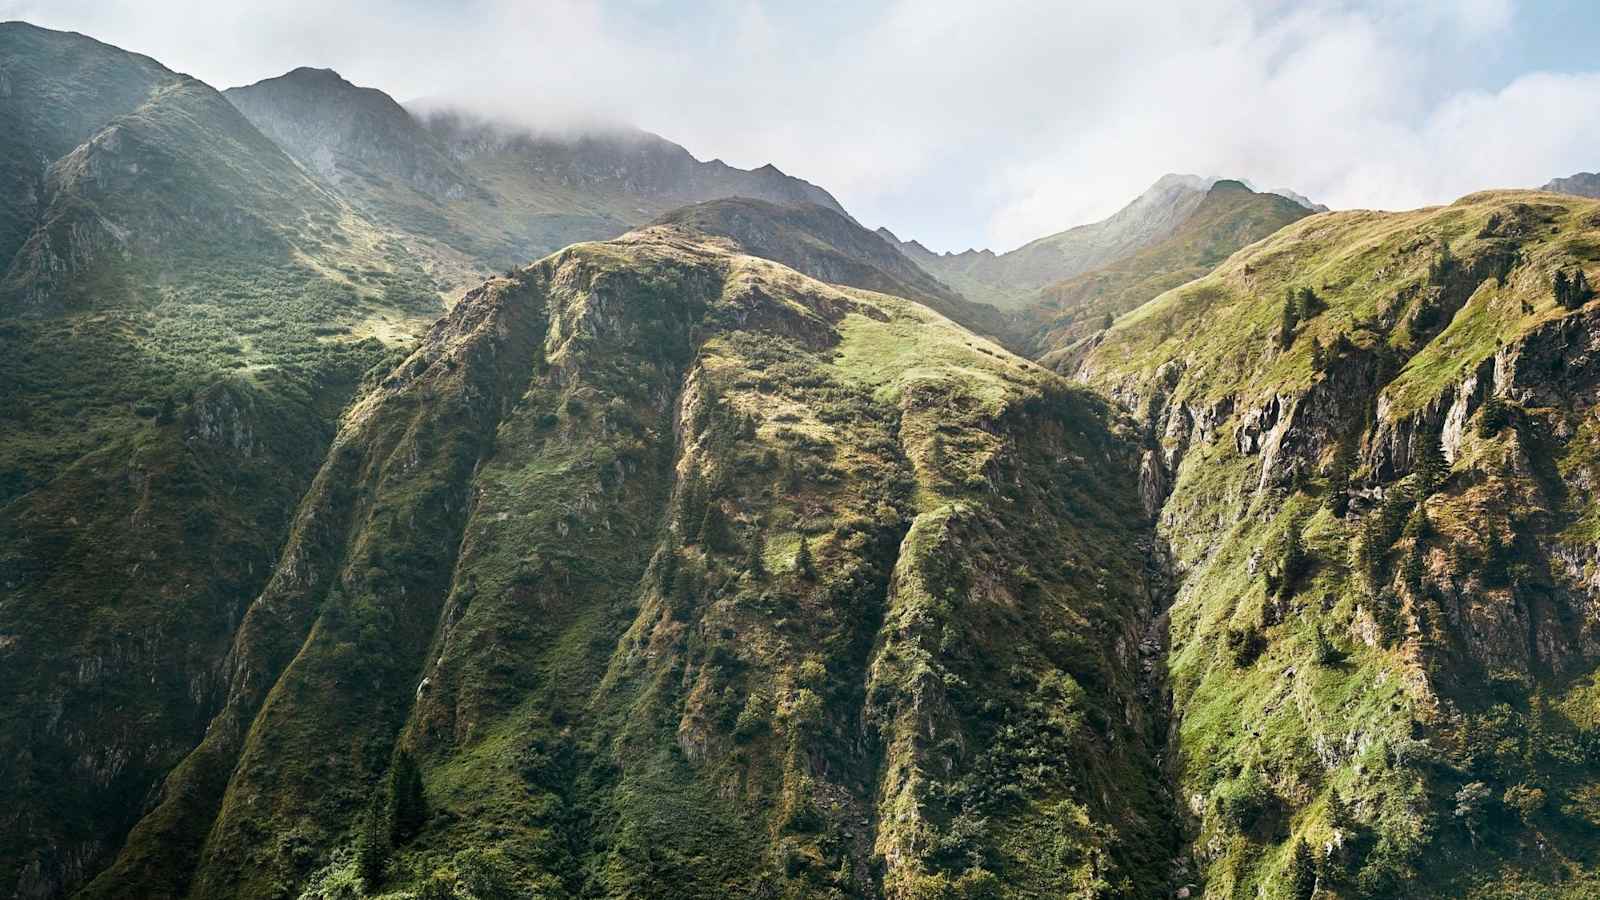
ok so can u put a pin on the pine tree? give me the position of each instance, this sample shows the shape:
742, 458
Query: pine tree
1319, 357
1581, 293
1494, 417
1562, 288
1431, 467
1287, 321
714, 533
1295, 560
1344, 460
1325, 653
1412, 570
1307, 304
372, 842
1302, 871
408, 809
755, 560
1496, 570
1338, 812
1105, 322
803, 564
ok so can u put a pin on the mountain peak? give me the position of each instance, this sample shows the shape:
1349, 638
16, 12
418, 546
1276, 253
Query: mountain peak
1582, 184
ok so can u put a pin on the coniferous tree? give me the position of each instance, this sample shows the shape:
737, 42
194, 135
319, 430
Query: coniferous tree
1338, 812
1325, 653
1494, 417
1344, 460
1496, 570
1319, 357
803, 564
1302, 871
1411, 572
1431, 467
1287, 321
1562, 288
714, 532
1105, 322
372, 842
1294, 561
755, 560
1581, 293
408, 808
1307, 304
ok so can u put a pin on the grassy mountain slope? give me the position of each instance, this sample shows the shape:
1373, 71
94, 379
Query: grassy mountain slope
1229, 217
829, 246
475, 196
179, 330
1011, 280
56, 90
1388, 657
646, 556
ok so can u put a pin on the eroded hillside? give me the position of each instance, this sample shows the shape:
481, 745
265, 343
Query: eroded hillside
677, 572
1372, 452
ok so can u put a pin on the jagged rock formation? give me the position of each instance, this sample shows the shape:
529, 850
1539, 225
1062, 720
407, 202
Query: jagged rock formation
1583, 184
1371, 451
648, 555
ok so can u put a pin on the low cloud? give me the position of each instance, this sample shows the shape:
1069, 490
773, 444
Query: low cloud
959, 123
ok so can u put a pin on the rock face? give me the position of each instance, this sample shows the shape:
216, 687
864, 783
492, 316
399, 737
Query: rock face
1344, 598
1583, 184
652, 533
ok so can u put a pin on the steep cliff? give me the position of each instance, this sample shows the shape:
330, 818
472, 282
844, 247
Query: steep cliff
676, 571
1370, 447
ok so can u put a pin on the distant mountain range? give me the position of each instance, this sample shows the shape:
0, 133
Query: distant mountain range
1583, 184
1010, 280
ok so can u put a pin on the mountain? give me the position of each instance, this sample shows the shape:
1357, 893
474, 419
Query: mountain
1011, 280
734, 556
183, 318
475, 195
1583, 184
56, 91
1301, 199
1372, 459
645, 561
1229, 217
829, 246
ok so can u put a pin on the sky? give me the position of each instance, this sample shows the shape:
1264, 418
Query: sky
978, 123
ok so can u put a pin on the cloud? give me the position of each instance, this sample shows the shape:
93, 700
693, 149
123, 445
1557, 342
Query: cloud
957, 122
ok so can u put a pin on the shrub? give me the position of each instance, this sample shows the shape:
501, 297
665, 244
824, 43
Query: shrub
1525, 800
1243, 802
1324, 652
1245, 645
